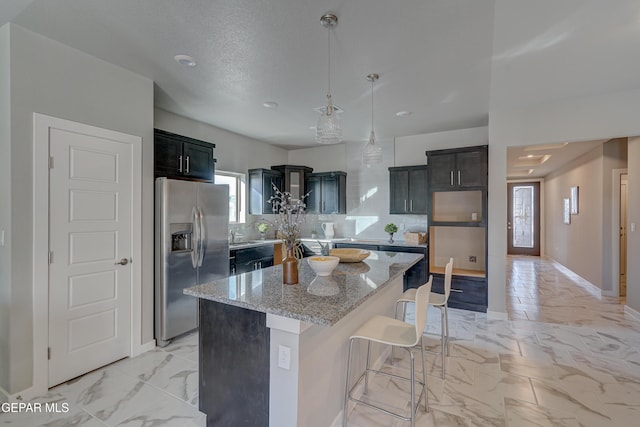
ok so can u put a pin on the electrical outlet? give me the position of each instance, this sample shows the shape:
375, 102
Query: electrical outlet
284, 357
472, 258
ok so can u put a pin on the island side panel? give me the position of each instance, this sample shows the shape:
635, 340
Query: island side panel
234, 365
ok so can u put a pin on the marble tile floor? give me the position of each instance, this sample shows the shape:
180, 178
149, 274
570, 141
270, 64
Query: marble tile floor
565, 357
157, 388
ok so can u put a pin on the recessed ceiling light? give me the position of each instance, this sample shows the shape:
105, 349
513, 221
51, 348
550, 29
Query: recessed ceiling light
403, 113
185, 60
270, 104
313, 128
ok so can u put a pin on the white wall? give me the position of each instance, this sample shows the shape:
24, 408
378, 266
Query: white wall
234, 153
53, 79
410, 150
325, 158
5, 208
588, 97
578, 245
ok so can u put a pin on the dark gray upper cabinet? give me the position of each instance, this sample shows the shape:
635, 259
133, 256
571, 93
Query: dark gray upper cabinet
261, 183
458, 168
408, 190
177, 156
293, 179
327, 192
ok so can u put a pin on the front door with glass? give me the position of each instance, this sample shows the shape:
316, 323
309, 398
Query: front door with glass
523, 218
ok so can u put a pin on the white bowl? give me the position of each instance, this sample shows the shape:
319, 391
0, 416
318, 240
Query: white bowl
323, 265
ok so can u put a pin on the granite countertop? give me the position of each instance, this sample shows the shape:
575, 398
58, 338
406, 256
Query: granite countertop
253, 243
318, 300
382, 242
352, 240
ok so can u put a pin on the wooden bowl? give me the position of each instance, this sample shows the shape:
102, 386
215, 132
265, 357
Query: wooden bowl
349, 254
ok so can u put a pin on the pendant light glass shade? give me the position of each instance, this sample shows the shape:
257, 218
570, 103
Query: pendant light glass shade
372, 153
329, 128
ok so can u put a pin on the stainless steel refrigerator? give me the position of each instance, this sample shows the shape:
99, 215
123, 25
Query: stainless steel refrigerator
192, 247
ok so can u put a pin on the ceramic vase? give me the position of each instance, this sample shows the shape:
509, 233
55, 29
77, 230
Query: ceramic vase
290, 268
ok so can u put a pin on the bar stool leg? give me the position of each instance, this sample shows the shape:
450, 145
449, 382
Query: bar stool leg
446, 321
346, 388
424, 377
366, 372
442, 338
413, 390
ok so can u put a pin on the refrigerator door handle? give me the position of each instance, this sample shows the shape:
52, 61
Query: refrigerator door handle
201, 236
195, 238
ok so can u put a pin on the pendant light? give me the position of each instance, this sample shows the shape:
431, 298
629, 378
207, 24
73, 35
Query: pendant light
329, 130
372, 153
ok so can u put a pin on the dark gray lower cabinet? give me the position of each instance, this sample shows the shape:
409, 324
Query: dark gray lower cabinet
467, 293
416, 276
234, 365
249, 259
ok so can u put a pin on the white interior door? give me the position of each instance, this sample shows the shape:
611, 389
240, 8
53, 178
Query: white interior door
90, 241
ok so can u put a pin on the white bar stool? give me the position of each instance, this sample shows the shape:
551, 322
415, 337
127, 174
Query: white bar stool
394, 332
439, 301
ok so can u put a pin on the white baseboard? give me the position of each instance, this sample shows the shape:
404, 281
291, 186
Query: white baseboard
497, 315
631, 312
24, 395
143, 348
581, 281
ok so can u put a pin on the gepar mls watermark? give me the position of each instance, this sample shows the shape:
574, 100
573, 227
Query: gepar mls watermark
35, 407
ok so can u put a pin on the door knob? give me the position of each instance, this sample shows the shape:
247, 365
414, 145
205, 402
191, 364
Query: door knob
123, 261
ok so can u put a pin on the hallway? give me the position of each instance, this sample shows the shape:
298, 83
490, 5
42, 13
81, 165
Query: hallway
565, 357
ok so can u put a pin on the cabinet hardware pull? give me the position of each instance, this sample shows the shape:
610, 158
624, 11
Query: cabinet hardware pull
180, 163
451, 177
456, 290
411, 205
458, 177
187, 168
405, 205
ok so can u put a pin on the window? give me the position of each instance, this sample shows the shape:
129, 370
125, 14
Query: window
237, 194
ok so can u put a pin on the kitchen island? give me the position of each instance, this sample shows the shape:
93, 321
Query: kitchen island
275, 355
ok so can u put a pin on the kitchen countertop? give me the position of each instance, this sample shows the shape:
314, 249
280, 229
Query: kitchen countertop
253, 243
381, 242
350, 283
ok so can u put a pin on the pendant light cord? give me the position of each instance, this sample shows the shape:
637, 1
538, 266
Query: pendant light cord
329, 59
372, 80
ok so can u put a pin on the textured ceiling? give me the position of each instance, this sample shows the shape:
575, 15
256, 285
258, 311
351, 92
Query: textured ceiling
433, 58
448, 61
